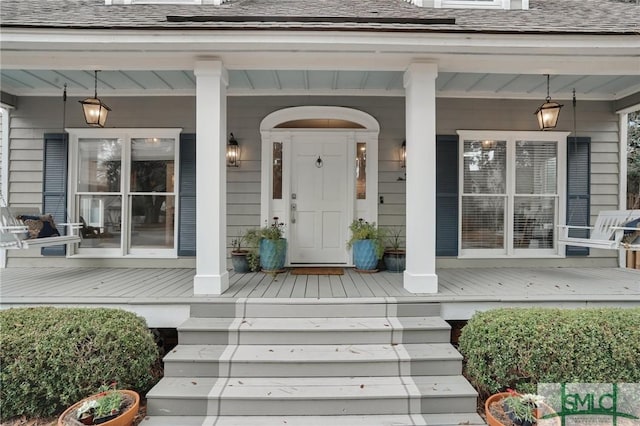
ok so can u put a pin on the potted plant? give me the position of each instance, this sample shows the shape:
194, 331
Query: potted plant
239, 255
513, 409
272, 246
367, 245
394, 253
109, 407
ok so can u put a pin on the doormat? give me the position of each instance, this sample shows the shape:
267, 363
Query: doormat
317, 271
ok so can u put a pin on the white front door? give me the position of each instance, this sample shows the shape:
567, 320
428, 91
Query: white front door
320, 198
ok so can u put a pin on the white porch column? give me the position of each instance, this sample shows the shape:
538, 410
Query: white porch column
420, 98
211, 177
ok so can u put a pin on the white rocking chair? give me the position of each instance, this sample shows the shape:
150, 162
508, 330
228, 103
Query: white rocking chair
607, 232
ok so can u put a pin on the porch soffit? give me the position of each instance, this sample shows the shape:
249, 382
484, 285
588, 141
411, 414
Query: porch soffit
41, 82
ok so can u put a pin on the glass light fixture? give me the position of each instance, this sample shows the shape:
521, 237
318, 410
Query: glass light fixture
488, 144
403, 154
548, 112
95, 111
233, 152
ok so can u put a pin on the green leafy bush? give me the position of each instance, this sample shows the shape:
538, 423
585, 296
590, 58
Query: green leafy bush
51, 358
519, 348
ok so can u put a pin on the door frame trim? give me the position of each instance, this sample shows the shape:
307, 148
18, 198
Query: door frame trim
366, 209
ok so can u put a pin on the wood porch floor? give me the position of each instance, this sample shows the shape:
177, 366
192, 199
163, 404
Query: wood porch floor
163, 295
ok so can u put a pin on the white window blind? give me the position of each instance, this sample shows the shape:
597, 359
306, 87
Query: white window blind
484, 194
536, 194
511, 193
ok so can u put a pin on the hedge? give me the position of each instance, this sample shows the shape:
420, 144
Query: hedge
52, 357
519, 348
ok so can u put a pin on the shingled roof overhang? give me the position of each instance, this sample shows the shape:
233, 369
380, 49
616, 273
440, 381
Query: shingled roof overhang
296, 25
579, 17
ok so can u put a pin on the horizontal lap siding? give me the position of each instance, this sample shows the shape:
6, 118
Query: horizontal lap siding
2, 113
244, 117
33, 118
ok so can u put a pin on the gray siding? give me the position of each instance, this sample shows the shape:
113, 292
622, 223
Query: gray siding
1, 151
33, 118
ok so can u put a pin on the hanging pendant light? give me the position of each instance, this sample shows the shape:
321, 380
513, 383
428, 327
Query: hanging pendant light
95, 111
548, 112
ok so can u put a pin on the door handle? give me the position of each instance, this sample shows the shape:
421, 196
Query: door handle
293, 212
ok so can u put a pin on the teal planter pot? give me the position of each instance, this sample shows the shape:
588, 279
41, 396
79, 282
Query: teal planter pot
364, 255
273, 254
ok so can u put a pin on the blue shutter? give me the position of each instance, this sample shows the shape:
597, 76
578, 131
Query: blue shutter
446, 195
578, 190
54, 194
187, 217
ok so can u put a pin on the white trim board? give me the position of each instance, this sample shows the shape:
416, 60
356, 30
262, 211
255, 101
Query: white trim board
368, 208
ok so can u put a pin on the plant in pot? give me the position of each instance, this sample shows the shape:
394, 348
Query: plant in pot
366, 241
239, 255
272, 246
109, 407
513, 409
394, 252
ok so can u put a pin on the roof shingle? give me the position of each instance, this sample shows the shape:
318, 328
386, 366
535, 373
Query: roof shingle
544, 16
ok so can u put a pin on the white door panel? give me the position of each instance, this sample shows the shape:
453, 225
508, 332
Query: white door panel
319, 209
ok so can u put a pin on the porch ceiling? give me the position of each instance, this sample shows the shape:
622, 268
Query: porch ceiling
24, 82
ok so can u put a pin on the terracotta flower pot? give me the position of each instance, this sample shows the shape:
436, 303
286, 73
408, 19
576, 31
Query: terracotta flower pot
124, 419
492, 421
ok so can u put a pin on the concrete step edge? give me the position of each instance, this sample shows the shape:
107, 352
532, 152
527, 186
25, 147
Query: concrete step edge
312, 324
314, 307
326, 387
472, 419
315, 353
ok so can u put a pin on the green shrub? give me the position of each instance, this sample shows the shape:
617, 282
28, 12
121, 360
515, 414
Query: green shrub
519, 348
51, 358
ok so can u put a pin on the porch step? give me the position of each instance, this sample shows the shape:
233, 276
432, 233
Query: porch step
363, 420
380, 362
312, 360
319, 308
294, 331
311, 396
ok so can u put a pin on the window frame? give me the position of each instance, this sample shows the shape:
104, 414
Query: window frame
476, 4
511, 137
125, 136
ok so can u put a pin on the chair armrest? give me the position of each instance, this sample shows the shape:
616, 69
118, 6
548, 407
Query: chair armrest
575, 227
14, 227
624, 228
72, 225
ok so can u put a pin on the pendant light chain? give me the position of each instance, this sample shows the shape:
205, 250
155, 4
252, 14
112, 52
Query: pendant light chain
95, 84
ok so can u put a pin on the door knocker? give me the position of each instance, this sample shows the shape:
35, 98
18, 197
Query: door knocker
319, 162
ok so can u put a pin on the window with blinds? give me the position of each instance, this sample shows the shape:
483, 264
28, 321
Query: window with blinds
536, 195
511, 191
484, 194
